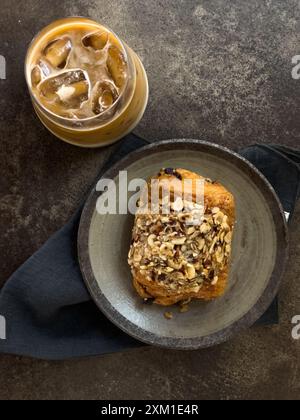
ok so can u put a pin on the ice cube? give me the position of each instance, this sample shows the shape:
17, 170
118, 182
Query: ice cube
39, 72
36, 76
66, 93
97, 40
104, 96
45, 69
57, 52
70, 88
117, 66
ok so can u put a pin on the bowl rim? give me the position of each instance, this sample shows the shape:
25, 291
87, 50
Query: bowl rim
263, 302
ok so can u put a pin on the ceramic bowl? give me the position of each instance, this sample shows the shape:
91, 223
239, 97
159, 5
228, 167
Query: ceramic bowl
260, 248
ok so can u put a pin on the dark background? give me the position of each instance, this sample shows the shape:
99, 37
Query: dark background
218, 70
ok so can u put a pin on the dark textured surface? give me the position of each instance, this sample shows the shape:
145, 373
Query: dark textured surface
219, 70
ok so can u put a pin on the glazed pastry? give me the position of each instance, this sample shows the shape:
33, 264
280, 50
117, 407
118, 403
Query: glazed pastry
175, 261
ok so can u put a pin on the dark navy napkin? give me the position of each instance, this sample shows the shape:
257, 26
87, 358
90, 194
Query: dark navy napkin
49, 313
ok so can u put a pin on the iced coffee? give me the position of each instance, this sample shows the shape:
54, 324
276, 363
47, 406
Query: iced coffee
87, 86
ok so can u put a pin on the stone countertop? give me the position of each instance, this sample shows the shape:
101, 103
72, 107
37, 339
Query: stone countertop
219, 70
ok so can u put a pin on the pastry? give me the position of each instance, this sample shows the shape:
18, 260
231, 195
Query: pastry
173, 260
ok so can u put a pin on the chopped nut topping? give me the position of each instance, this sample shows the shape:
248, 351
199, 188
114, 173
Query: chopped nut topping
168, 315
215, 281
179, 241
184, 308
168, 250
191, 272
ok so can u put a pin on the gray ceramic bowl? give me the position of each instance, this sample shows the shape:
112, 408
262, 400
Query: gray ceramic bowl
259, 251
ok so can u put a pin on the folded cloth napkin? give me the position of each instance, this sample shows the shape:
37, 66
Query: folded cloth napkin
48, 312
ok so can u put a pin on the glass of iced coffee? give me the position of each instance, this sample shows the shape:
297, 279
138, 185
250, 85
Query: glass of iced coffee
87, 86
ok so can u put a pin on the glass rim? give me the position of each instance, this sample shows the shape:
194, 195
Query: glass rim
62, 22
